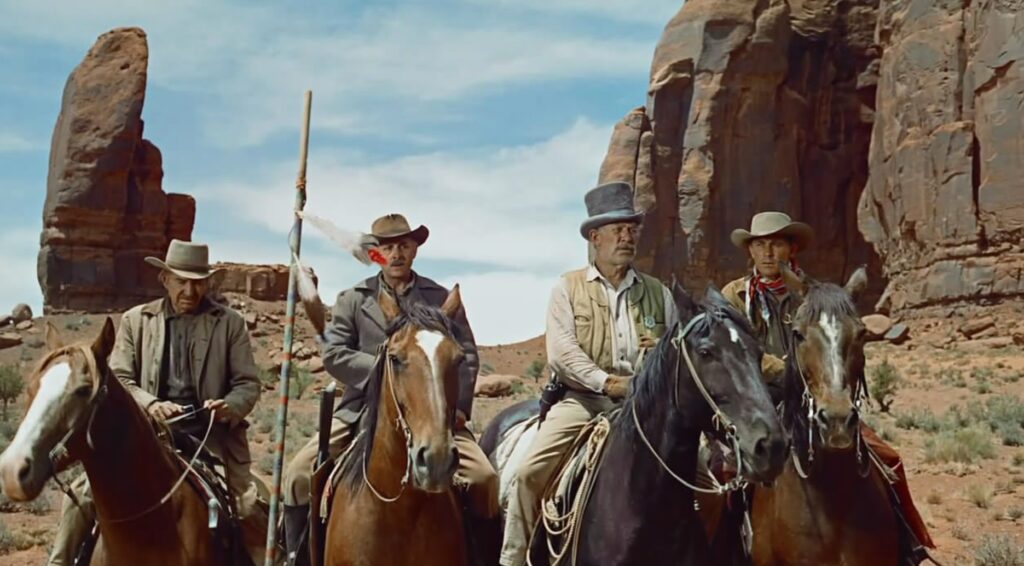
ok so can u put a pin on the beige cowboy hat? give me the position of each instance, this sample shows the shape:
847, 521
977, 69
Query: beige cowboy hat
765, 224
187, 260
394, 227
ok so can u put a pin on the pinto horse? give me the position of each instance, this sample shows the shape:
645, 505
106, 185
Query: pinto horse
831, 504
641, 507
394, 502
146, 516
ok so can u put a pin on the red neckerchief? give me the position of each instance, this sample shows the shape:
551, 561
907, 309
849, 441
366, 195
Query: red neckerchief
759, 288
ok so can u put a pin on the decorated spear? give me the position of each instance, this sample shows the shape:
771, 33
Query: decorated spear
295, 241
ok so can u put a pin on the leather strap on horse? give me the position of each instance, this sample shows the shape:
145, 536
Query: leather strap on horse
406, 431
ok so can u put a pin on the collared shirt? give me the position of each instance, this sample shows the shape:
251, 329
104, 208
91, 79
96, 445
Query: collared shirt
405, 291
177, 383
564, 352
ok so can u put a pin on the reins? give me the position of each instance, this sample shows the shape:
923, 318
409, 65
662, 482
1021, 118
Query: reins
406, 432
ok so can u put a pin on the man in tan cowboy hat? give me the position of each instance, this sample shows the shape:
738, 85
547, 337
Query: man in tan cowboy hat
357, 330
600, 319
178, 352
775, 238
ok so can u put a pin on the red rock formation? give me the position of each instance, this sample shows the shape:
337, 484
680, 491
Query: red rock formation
753, 105
105, 209
261, 282
944, 204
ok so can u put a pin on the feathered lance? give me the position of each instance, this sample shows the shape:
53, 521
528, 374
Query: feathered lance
289, 325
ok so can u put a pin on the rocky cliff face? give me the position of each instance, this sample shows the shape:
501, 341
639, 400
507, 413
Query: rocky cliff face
944, 203
105, 207
753, 105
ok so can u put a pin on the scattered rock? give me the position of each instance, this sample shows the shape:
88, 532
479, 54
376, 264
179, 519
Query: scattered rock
995, 343
877, 325
9, 340
494, 385
24, 325
258, 333
973, 326
313, 365
898, 334
304, 353
250, 320
21, 313
6, 321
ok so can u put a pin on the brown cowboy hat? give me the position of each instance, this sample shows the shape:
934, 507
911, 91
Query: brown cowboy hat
186, 260
395, 227
765, 224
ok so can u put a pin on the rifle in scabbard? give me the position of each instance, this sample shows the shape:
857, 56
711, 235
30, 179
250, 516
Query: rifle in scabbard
326, 414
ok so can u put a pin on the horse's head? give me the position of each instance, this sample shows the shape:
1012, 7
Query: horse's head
62, 392
726, 362
829, 355
423, 359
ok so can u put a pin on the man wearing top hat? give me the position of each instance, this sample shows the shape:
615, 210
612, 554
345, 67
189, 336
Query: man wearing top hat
599, 321
178, 352
351, 341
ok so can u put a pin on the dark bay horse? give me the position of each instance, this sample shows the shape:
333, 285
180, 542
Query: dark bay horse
705, 371
394, 502
74, 399
831, 504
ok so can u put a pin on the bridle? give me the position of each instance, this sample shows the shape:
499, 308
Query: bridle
719, 420
403, 425
809, 405
59, 453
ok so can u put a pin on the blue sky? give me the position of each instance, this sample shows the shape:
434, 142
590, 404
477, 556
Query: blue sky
487, 120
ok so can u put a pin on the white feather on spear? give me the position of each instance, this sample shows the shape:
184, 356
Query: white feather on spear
361, 246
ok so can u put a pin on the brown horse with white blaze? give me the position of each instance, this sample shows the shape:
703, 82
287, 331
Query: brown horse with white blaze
831, 505
394, 502
76, 403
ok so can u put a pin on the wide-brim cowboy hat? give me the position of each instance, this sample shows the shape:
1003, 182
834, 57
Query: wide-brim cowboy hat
186, 260
608, 204
395, 227
769, 224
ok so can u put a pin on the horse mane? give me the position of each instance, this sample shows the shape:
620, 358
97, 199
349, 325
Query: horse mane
418, 315
650, 387
822, 298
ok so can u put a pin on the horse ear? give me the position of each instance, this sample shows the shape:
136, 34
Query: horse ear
104, 343
685, 304
795, 282
453, 303
715, 297
53, 339
389, 305
857, 282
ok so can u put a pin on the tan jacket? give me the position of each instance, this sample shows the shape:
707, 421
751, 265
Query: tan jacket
772, 366
222, 362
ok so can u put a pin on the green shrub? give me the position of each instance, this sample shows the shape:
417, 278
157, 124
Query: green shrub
919, 419
998, 550
980, 496
299, 382
535, 370
486, 369
967, 445
11, 385
884, 383
11, 541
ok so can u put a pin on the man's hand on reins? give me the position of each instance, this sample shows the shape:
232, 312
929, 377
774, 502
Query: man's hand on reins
460, 420
221, 409
164, 410
617, 386
647, 343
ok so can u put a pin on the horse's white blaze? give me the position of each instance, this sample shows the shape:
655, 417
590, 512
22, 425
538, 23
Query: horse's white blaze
734, 334
830, 327
51, 387
431, 342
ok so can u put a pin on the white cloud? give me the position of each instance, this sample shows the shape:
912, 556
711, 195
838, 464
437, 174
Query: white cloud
641, 11
504, 306
516, 208
372, 72
11, 142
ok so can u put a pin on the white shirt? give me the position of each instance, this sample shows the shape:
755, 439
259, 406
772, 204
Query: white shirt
566, 357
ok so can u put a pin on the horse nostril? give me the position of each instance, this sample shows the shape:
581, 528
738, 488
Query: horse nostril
455, 459
851, 420
25, 470
761, 447
420, 460
823, 417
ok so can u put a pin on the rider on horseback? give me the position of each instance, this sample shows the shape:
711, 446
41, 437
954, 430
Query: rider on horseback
357, 330
774, 238
600, 320
180, 351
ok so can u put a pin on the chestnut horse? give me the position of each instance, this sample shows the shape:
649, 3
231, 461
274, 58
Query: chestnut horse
831, 505
145, 515
394, 502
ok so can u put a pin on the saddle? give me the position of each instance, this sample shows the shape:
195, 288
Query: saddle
566, 497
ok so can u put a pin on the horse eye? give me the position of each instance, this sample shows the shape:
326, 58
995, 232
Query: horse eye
84, 391
704, 352
798, 336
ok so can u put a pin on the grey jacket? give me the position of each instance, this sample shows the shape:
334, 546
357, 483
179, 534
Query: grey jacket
357, 330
